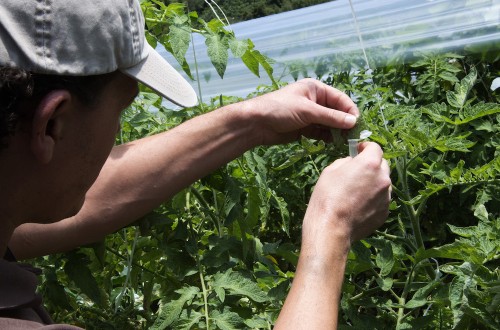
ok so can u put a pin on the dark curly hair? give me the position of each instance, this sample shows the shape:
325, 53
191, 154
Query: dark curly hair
21, 90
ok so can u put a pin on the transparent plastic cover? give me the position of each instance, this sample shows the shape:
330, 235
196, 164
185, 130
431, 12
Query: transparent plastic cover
312, 41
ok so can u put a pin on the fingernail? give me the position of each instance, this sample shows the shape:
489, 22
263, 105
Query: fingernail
350, 120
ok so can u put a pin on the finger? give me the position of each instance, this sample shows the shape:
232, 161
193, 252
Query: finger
336, 99
370, 150
318, 114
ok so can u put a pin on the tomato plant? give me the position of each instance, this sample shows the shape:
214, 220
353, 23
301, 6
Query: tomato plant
222, 253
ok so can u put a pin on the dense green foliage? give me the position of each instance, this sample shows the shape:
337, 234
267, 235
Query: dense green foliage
222, 253
243, 10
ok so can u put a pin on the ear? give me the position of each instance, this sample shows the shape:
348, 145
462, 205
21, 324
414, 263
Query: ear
48, 123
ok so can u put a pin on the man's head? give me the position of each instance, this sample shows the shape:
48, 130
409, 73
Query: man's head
67, 70
21, 91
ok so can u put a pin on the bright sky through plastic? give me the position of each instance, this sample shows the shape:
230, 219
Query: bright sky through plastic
303, 38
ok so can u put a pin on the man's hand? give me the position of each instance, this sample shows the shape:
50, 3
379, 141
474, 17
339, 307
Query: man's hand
350, 200
307, 107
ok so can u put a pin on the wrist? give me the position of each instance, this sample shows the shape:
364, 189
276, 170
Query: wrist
320, 252
244, 119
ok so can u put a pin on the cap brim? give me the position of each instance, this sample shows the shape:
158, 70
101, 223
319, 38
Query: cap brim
155, 72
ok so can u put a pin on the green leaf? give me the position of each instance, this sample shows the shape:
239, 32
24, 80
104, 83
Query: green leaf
354, 132
385, 260
78, 271
464, 231
385, 283
363, 254
292, 159
265, 62
448, 76
282, 206
237, 284
479, 110
238, 47
180, 37
458, 98
251, 62
226, 320
217, 47
257, 323
457, 143
253, 207
221, 293
459, 250
170, 312
187, 320
419, 299
456, 299
481, 213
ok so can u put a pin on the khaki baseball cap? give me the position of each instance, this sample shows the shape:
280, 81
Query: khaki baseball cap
86, 37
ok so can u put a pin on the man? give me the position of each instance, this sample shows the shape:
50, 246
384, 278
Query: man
67, 70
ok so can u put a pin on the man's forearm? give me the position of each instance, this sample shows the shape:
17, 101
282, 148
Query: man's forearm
140, 175
313, 301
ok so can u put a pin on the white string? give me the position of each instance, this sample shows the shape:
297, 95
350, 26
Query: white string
358, 31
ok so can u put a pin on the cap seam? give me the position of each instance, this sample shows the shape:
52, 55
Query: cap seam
42, 31
134, 29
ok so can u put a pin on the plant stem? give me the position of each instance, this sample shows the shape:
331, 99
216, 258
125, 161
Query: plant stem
205, 295
206, 206
413, 215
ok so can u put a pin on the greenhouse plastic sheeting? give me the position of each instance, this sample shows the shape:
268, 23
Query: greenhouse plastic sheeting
312, 40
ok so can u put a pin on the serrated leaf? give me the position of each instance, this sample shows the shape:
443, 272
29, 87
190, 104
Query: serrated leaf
265, 62
448, 76
221, 293
456, 143
251, 63
473, 112
238, 47
312, 147
170, 312
257, 323
385, 283
363, 254
217, 48
419, 299
464, 231
186, 320
456, 294
77, 270
458, 97
338, 140
481, 212
55, 293
237, 284
385, 260
292, 159
354, 133
459, 250
253, 207
436, 111
226, 320
180, 37
282, 206
215, 26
